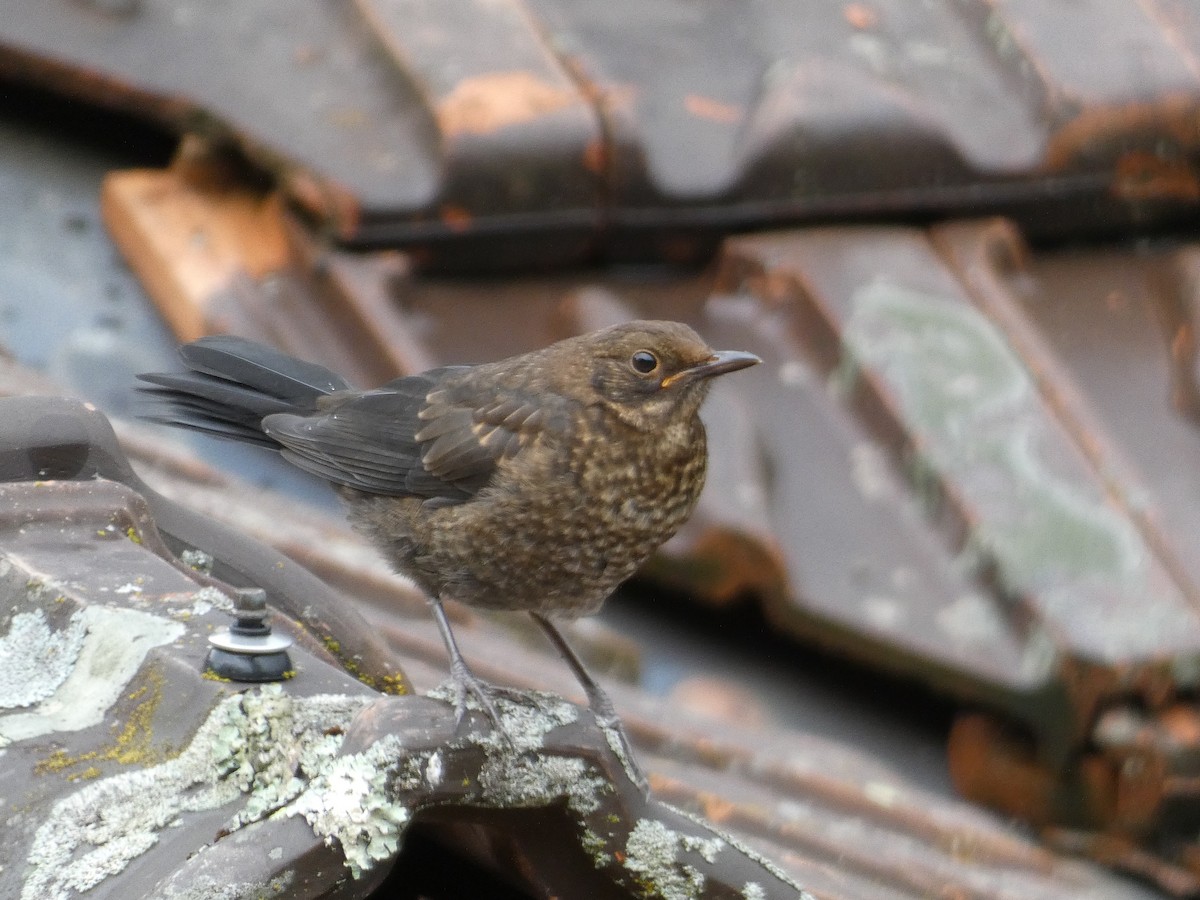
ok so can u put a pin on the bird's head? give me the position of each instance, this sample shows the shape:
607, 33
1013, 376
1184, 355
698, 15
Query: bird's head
649, 372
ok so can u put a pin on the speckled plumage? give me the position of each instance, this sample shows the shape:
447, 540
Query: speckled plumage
536, 483
567, 520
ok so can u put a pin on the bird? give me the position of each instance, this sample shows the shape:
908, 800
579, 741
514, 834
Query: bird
539, 482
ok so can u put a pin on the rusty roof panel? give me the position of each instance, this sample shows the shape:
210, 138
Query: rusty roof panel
840, 824
918, 475
130, 770
484, 133
975, 432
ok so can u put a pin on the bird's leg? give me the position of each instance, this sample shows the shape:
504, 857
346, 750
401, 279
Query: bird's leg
462, 676
602, 707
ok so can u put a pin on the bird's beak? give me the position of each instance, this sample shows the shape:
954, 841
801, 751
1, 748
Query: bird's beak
718, 364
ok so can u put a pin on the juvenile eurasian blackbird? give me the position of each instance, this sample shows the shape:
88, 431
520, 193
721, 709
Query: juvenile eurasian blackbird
536, 483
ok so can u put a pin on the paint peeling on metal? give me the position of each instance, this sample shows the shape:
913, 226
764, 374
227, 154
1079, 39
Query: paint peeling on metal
497, 100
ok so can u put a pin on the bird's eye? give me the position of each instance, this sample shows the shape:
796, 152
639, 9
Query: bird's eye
644, 361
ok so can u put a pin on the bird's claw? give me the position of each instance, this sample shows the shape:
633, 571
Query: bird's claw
611, 725
466, 683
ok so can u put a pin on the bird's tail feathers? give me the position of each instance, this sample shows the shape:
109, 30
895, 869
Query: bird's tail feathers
233, 384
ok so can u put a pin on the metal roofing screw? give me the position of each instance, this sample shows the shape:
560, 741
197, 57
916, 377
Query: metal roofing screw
247, 650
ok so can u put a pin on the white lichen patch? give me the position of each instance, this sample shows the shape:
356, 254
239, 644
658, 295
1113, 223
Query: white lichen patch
512, 782
526, 722
652, 854
434, 769
1041, 521
519, 774
198, 560
708, 848
209, 888
745, 851
752, 890
349, 801
35, 659
263, 745
205, 600
110, 645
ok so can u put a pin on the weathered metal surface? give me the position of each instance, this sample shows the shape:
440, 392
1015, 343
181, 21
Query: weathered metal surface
505, 133
1053, 545
920, 477
212, 760
928, 342
130, 771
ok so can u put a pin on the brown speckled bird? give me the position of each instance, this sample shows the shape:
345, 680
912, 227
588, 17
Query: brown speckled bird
536, 483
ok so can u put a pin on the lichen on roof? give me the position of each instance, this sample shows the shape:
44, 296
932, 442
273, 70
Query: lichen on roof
35, 659
349, 800
520, 774
88, 663
652, 854
251, 746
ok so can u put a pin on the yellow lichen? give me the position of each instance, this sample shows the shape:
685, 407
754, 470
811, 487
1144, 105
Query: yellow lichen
131, 746
395, 684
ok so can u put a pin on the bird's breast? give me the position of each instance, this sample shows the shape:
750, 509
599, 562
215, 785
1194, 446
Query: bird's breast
643, 486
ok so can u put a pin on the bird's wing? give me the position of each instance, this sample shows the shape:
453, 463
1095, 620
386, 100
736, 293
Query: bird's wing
422, 435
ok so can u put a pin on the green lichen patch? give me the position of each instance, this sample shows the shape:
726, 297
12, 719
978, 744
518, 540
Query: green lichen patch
197, 560
349, 801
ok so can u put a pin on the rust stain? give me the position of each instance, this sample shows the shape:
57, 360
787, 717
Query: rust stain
489, 103
324, 198
456, 218
188, 232
1170, 117
714, 110
595, 157
1142, 175
1182, 723
989, 767
1183, 344
860, 16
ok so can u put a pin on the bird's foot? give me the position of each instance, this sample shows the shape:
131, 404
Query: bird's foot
466, 683
610, 723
